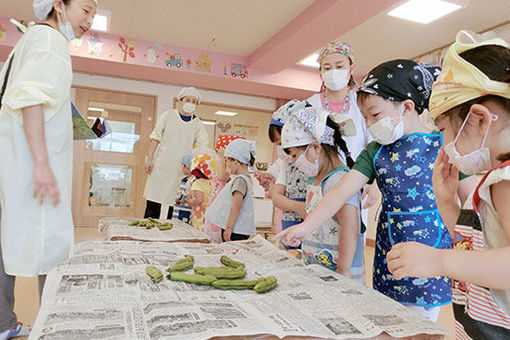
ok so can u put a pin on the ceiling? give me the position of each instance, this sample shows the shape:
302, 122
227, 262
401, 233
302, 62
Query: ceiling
246, 27
384, 38
230, 26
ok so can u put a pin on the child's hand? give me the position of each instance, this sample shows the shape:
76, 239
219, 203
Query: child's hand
265, 180
227, 234
371, 194
293, 236
445, 179
413, 259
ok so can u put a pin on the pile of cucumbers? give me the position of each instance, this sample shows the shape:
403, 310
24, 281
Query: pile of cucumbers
227, 277
151, 223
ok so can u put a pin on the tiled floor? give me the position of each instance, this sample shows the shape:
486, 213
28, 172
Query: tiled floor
27, 292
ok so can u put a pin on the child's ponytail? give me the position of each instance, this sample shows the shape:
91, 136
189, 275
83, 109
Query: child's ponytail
339, 143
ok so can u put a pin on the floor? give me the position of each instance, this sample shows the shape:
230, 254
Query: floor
27, 291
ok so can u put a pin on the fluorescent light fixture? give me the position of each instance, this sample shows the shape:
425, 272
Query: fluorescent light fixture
96, 109
226, 113
208, 122
311, 60
424, 11
100, 22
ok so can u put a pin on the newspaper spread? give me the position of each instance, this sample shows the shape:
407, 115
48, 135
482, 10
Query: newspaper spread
118, 228
102, 292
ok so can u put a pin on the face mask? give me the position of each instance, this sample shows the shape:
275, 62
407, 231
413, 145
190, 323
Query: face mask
67, 30
309, 169
474, 162
188, 107
335, 79
283, 155
384, 132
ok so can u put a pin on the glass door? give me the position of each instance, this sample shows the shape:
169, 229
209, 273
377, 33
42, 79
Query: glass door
108, 178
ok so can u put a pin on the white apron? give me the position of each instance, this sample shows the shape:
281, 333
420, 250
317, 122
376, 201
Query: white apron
179, 139
36, 237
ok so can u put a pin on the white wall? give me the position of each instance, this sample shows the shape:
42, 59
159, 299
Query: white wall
166, 93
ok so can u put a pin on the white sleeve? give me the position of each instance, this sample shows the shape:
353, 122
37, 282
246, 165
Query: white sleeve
282, 176
201, 138
159, 130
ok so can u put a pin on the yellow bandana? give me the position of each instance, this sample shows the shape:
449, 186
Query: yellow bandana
460, 81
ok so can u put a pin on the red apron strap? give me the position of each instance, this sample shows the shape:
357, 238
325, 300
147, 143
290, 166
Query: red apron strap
476, 195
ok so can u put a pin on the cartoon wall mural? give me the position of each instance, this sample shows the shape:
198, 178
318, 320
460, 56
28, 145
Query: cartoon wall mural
173, 60
95, 45
203, 63
238, 70
3, 33
189, 62
151, 55
126, 49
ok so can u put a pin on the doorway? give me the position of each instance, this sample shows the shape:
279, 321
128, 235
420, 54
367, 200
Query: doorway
108, 175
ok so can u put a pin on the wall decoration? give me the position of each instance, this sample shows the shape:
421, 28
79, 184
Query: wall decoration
126, 49
173, 60
3, 33
246, 131
76, 44
239, 70
151, 56
158, 45
95, 45
203, 63
224, 126
189, 62
225, 69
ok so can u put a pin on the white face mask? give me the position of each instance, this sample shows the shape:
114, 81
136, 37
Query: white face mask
384, 132
474, 162
188, 107
286, 158
308, 168
335, 79
67, 30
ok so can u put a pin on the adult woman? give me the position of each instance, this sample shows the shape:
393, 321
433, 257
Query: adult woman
178, 132
36, 148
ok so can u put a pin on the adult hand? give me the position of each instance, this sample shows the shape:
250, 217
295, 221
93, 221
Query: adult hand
371, 193
148, 166
227, 234
445, 179
293, 236
45, 183
413, 259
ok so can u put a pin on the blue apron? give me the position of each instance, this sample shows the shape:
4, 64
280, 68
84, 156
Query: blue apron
409, 213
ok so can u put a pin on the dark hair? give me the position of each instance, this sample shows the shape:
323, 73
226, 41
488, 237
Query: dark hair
494, 62
274, 132
332, 150
252, 160
363, 96
66, 2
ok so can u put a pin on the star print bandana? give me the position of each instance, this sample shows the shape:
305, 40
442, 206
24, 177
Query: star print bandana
460, 81
401, 79
305, 127
281, 115
336, 47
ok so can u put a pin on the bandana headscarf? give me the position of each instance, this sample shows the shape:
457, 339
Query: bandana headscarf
336, 47
401, 79
203, 165
460, 81
242, 150
186, 160
281, 115
305, 127
224, 140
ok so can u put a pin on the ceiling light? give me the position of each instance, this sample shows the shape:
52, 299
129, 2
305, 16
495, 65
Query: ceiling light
226, 113
311, 60
209, 122
100, 22
96, 109
424, 11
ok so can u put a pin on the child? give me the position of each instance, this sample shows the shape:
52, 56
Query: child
471, 104
401, 159
233, 209
181, 210
289, 191
203, 167
312, 140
